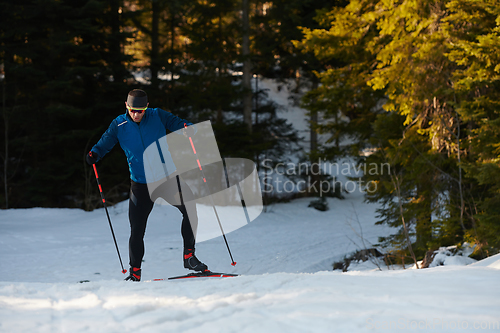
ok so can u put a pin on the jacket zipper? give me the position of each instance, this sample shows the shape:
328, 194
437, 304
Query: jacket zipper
140, 133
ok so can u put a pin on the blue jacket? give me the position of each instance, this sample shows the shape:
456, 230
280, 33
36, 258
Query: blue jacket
134, 138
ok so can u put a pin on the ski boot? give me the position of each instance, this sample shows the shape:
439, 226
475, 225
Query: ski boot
192, 263
135, 274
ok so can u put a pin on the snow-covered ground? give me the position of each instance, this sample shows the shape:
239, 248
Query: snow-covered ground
284, 259
286, 285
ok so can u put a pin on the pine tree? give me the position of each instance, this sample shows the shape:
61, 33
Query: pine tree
344, 100
59, 75
427, 60
474, 28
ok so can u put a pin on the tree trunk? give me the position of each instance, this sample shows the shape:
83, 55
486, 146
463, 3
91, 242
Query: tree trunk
115, 44
155, 43
247, 67
315, 178
6, 138
171, 62
396, 182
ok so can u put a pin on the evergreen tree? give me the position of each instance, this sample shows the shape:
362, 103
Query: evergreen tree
433, 63
61, 82
213, 57
277, 27
474, 29
343, 102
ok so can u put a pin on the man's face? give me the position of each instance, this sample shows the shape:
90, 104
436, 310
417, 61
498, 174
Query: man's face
135, 114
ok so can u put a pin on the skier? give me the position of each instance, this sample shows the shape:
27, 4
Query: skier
135, 130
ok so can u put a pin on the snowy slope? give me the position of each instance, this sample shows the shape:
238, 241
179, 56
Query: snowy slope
436, 300
66, 245
287, 284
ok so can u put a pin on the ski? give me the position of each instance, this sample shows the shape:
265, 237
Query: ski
207, 274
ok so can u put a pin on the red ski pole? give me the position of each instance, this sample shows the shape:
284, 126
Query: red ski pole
109, 220
233, 263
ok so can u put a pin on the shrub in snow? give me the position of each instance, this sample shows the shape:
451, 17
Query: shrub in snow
358, 256
320, 204
453, 255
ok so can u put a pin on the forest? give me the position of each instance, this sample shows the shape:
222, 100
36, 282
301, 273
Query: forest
410, 84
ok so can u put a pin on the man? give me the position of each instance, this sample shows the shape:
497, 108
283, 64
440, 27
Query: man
135, 130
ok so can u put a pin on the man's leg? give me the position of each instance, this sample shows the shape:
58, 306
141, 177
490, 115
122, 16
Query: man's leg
176, 192
189, 226
189, 215
186, 226
140, 206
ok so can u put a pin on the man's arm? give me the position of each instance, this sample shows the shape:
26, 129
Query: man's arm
172, 122
108, 140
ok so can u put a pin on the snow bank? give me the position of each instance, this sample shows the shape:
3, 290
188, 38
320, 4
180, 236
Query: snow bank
387, 301
452, 255
491, 262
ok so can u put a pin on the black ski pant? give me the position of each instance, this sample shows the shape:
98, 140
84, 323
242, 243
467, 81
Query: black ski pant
140, 206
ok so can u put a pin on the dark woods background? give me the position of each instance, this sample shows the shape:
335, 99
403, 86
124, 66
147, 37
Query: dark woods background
414, 85
68, 65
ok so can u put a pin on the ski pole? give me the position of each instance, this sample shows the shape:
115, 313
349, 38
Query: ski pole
109, 220
233, 263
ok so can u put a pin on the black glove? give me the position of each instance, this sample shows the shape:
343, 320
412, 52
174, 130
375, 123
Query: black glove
91, 157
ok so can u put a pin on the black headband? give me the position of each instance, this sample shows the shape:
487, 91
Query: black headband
137, 101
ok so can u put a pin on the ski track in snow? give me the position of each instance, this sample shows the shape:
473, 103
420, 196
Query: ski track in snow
279, 302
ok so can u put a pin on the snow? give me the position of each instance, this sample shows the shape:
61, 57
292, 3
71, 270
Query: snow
492, 262
281, 302
450, 255
286, 284
284, 258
